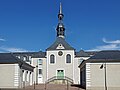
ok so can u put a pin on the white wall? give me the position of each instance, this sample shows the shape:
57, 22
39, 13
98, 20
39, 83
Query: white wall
9, 76
95, 77
77, 61
60, 64
36, 75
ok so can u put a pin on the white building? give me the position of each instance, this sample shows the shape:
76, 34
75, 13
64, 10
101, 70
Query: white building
58, 64
14, 73
101, 72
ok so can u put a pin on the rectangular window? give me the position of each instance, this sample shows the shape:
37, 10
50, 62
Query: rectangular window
40, 71
40, 61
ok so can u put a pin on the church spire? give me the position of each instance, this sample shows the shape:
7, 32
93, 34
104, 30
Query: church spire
60, 9
60, 27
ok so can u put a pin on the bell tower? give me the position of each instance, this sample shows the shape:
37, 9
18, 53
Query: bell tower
60, 27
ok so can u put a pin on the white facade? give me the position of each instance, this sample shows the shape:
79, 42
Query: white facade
95, 76
60, 64
12, 76
45, 70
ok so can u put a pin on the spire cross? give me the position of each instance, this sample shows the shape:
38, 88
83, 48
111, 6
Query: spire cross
60, 8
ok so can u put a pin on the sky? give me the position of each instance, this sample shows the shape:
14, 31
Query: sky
30, 25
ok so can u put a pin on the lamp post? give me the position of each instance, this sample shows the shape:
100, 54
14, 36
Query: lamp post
105, 75
36, 74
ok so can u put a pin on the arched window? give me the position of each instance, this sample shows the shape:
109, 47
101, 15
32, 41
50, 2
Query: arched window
52, 59
68, 58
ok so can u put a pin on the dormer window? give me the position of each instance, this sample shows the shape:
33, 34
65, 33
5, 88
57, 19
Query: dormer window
60, 46
24, 58
18, 57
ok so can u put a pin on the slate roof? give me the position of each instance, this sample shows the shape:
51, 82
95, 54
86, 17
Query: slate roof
81, 53
9, 58
39, 54
109, 54
62, 41
103, 57
91, 53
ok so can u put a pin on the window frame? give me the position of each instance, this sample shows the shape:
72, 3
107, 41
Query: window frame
40, 62
52, 59
68, 59
40, 71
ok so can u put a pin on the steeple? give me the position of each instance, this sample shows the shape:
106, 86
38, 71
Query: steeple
60, 27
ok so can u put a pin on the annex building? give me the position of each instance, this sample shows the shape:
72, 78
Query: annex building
58, 64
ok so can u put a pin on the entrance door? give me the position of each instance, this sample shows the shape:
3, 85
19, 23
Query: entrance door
40, 79
60, 74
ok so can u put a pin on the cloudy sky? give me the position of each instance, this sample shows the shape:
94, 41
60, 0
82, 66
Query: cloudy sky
30, 25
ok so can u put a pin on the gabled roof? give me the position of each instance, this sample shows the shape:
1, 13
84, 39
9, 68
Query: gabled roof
81, 53
62, 41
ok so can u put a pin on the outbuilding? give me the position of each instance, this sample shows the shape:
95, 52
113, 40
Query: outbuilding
101, 71
14, 73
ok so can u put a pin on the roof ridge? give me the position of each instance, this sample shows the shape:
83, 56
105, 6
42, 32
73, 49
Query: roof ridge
58, 41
